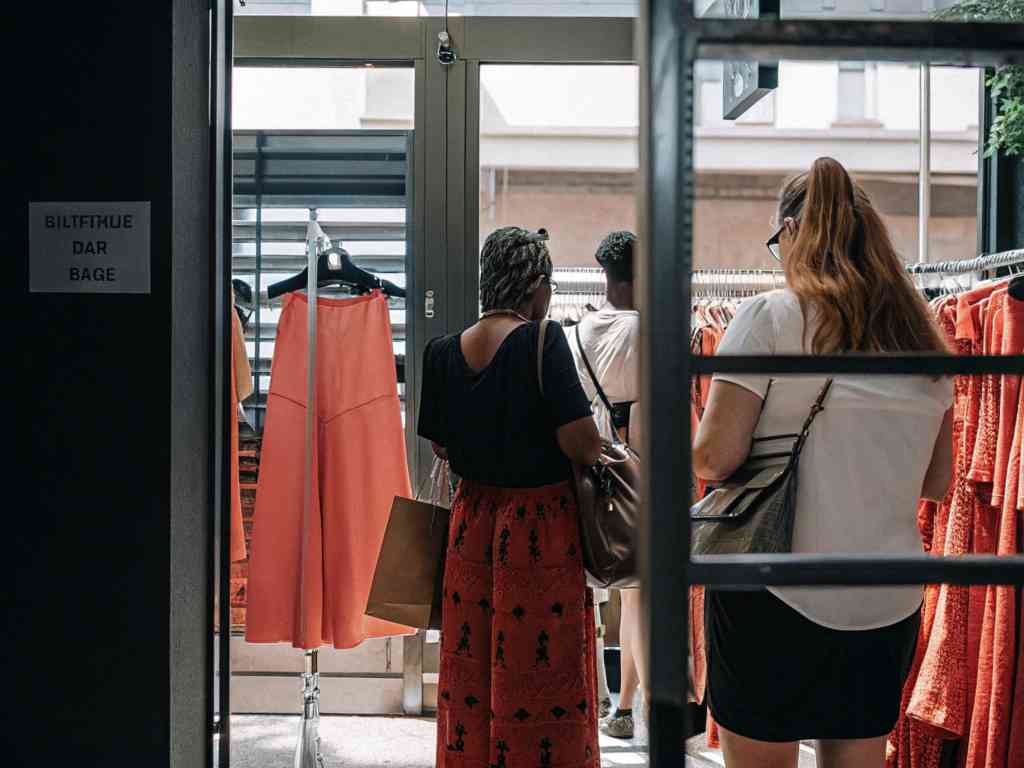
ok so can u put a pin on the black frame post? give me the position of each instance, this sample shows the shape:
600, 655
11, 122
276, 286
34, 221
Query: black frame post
673, 39
665, 276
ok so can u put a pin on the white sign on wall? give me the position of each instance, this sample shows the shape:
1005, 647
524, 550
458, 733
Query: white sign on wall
89, 247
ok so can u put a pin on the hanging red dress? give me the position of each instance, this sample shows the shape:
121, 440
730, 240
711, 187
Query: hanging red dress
941, 693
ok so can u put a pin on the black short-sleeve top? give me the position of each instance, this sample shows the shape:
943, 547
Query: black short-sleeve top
496, 426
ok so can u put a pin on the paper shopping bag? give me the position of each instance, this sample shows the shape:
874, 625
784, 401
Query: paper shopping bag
407, 582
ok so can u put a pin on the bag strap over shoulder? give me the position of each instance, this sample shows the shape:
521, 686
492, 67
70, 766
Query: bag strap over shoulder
590, 371
540, 354
818, 407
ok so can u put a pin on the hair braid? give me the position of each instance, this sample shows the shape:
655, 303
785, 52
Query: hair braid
512, 262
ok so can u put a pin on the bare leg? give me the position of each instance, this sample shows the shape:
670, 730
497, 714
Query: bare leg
852, 753
628, 642
741, 752
633, 644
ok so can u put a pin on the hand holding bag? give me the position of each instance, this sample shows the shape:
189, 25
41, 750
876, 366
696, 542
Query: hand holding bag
408, 579
608, 500
753, 512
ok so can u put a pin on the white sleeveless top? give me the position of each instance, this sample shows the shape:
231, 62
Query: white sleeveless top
861, 470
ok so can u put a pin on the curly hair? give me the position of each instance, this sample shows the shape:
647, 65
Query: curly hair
512, 263
615, 255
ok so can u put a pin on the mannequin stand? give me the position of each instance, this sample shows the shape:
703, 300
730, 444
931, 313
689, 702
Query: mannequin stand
307, 750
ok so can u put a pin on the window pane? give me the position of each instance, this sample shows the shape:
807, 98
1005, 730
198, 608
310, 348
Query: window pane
869, 10
558, 149
591, 8
324, 98
864, 114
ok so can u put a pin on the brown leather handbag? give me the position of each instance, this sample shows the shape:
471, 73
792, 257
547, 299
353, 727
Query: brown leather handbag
608, 500
754, 511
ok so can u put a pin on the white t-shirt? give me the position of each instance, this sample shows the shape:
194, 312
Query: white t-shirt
862, 467
610, 338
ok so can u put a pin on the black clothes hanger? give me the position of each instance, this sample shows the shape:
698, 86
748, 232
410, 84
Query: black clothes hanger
243, 300
345, 274
1017, 287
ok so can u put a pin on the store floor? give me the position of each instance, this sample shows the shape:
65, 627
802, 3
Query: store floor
262, 741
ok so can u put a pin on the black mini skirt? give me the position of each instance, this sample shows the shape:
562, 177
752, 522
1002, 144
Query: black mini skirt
774, 675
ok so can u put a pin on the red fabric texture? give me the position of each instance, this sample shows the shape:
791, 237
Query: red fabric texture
940, 694
913, 743
966, 680
518, 650
311, 570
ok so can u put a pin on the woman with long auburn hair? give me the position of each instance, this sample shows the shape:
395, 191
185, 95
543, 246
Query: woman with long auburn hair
827, 663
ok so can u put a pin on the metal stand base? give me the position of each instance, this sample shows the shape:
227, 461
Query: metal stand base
307, 750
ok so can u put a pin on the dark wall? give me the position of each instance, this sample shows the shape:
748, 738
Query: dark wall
88, 515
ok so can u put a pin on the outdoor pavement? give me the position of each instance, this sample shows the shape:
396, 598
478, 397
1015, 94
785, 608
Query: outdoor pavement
264, 741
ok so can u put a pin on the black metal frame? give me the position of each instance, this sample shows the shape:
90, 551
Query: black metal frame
673, 39
221, 53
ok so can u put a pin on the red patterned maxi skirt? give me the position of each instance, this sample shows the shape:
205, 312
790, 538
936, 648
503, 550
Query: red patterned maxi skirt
518, 684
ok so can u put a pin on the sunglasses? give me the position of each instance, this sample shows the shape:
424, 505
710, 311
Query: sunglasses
773, 242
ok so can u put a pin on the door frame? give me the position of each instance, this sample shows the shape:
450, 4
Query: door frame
445, 196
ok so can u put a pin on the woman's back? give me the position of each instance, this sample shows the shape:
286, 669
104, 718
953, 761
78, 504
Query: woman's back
862, 469
496, 426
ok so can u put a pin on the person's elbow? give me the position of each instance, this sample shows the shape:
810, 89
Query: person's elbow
713, 465
939, 474
580, 441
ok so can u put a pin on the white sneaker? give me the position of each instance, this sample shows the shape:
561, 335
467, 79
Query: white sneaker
619, 727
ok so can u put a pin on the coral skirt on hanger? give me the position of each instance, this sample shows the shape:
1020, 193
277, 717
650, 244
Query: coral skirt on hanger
310, 574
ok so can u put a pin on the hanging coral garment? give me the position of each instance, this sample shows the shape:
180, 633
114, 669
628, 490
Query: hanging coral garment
941, 692
241, 388
989, 737
705, 343
309, 584
913, 744
966, 680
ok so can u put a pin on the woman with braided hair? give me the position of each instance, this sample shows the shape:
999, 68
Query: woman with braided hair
517, 683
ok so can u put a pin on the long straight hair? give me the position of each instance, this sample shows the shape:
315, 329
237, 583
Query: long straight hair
843, 268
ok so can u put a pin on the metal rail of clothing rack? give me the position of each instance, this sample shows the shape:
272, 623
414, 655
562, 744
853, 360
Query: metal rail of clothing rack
591, 281
982, 263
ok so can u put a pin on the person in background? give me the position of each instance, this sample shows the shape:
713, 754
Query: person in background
827, 663
608, 339
517, 683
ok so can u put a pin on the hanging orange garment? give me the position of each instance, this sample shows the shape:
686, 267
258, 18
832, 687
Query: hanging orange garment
311, 569
1015, 751
940, 699
241, 388
984, 455
913, 744
1011, 344
984, 533
990, 732
708, 339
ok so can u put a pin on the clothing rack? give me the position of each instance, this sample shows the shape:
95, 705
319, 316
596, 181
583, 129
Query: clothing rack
983, 263
738, 283
734, 283
576, 281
